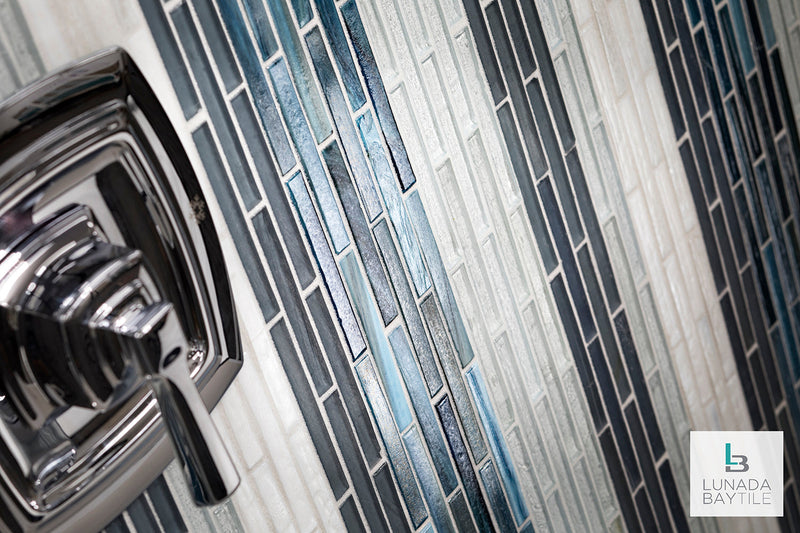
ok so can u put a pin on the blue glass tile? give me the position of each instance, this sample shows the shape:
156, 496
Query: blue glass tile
762, 339
327, 264
394, 203
142, 517
447, 300
604, 324
593, 230
618, 480
302, 10
360, 229
387, 490
528, 528
568, 263
307, 401
215, 106
496, 498
377, 94
516, 30
273, 189
329, 16
742, 36
785, 100
168, 47
516, 91
557, 167
362, 482
165, 506
408, 306
218, 44
749, 182
465, 470
259, 22
671, 491
235, 221
615, 416
452, 372
392, 442
772, 157
292, 303
694, 11
352, 520
740, 359
716, 45
766, 23
578, 352
298, 63
783, 311
307, 148
485, 49
345, 381
344, 124
548, 74
427, 479
460, 510
497, 444
257, 82
526, 187
639, 384
373, 327
422, 406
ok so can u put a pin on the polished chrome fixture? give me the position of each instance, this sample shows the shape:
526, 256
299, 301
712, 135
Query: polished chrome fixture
115, 306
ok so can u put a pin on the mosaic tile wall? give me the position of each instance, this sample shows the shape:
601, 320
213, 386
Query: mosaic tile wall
785, 15
725, 87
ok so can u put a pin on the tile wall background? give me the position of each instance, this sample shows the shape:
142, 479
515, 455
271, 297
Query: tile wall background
471, 291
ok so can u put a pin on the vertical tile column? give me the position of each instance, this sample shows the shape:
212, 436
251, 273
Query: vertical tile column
786, 21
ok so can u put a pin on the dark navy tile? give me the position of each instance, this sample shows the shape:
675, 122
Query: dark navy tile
790, 445
360, 229
292, 303
783, 92
557, 167
762, 389
118, 525
495, 494
215, 37
716, 45
639, 385
568, 263
329, 17
783, 312
689, 56
408, 306
302, 10
142, 516
703, 217
171, 55
527, 188
452, 372
766, 22
516, 91
273, 189
352, 520
753, 300
257, 82
741, 361
741, 86
441, 283
215, 106
791, 520
327, 264
344, 124
427, 479
377, 94
651, 482
460, 510
259, 22
465, 470
578, 352
306, 400
646, 512
615, 415
516, 30
298, 63
422, 406
345, 381
485, 49
392, 442
362, 482
307, 148
236, 223
497, 443
742, 37
673, 500
398, 214
618, 480
694, 11
662, 65
604, 324
378, 345
665, 18
387, 490
594, 233
165, 506
548, 75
